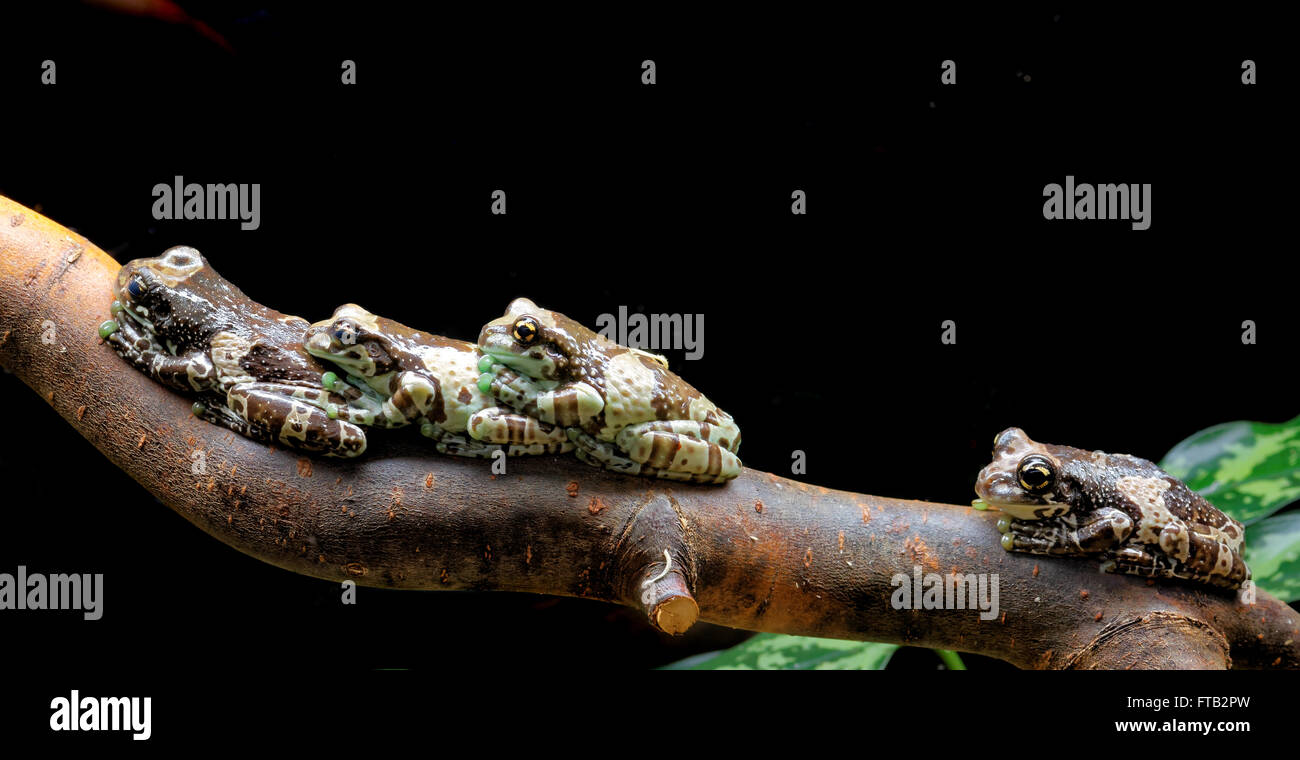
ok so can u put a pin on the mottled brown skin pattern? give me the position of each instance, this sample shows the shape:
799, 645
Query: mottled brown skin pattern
427, 379
391, 348
208, 338
581, 354
209, 303
1135, 516
620, 406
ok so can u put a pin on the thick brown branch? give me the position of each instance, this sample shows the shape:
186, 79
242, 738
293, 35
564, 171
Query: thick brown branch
762, 553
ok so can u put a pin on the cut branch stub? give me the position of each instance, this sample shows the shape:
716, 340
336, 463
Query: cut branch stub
652, 560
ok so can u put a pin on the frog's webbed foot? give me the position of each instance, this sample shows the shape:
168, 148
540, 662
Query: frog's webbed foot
294, 421
1136, 560
1035, 536
126, 338
497, 425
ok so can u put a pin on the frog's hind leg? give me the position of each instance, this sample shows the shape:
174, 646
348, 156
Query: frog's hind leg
214, 410
526, 434
1204, 558
296, 423
356, 409
683, 446
720, 465
1135, 560
602, 454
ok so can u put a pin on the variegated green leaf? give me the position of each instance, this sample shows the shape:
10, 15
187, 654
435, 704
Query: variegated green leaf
1248, 469
771, 651
1273, 555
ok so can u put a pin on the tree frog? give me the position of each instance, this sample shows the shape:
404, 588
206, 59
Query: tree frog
621, 406
429, 379
188, 327
1128, 512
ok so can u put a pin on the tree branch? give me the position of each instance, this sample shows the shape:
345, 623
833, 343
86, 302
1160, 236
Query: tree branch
762, 553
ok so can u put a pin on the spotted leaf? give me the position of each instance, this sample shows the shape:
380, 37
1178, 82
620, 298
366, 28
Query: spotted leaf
1247, 469
1273, 554
771, 651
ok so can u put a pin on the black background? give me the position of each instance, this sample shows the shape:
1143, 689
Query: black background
822, 331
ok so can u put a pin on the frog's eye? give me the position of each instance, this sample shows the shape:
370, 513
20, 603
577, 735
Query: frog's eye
1036, 474
345, 332
135, 287
526, 330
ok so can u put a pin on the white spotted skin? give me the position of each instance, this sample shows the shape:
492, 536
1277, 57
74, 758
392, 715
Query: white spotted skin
457, 371
296, 423
629, 387
228, 350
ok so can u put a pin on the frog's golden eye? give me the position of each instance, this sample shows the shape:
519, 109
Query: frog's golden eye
136, 287
526, 330
1036, 474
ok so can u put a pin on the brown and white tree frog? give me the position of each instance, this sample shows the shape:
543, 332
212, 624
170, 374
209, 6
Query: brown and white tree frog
1126, 511
427, 379
622, 406
189, 328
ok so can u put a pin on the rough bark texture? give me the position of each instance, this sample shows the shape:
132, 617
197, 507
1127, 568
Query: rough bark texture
762, 553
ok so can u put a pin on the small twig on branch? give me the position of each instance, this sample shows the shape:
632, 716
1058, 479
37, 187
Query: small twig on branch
763, 552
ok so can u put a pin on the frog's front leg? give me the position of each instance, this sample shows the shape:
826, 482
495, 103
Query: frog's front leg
287, 415
192, 372
567, 405
1103, 529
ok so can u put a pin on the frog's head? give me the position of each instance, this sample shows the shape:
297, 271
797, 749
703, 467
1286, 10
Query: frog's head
1026, 479
176, 297
352, 339
542, 344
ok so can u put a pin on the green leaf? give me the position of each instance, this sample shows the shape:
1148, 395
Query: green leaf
771, 651
1273, 554
1247, 469
951, 660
